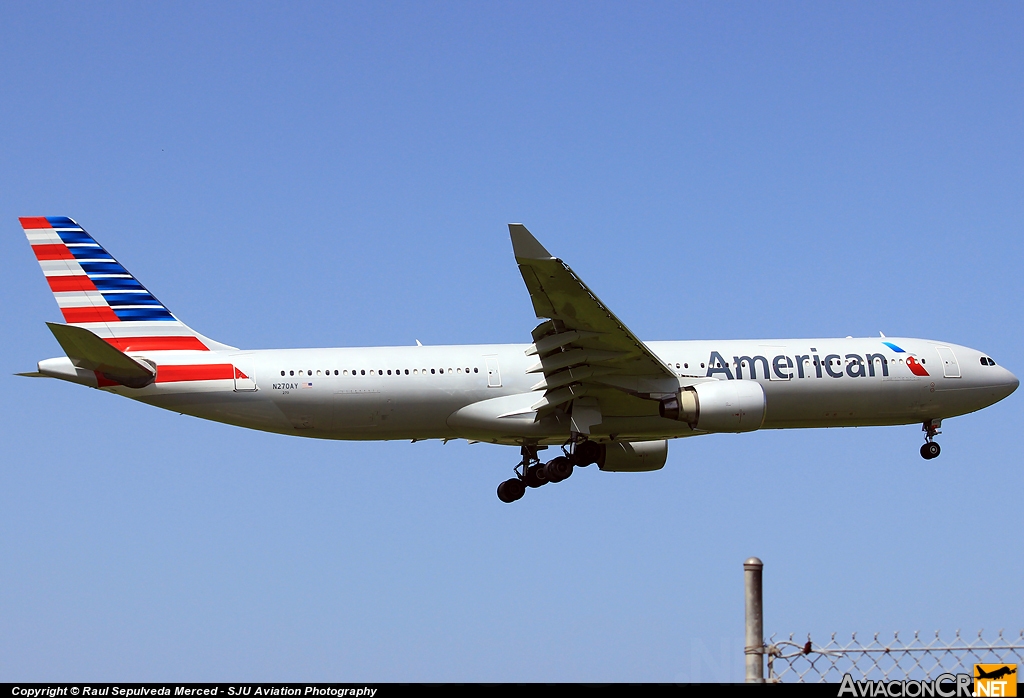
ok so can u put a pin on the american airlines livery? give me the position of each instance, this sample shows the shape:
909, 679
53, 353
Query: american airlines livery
585, 384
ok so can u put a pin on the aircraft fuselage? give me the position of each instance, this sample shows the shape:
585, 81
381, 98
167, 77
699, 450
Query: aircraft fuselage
417, 392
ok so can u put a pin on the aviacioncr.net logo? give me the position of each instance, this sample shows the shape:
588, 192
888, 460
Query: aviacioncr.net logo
945, 686
995, 680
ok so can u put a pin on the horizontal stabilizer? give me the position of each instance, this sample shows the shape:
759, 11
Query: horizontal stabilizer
92, 353
33, 374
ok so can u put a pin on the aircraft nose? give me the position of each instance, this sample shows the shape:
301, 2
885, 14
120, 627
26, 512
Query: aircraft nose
1008, 383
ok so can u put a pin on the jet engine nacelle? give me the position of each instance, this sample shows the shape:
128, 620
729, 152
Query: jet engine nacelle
636, 457
724, 405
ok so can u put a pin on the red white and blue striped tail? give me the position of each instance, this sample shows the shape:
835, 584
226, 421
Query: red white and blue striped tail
94, 291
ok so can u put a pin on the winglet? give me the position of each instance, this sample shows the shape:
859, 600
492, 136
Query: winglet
525, 245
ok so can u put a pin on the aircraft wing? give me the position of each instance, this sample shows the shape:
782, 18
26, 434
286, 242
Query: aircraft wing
585, 354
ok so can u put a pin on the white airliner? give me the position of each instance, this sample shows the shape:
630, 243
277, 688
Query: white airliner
585, 383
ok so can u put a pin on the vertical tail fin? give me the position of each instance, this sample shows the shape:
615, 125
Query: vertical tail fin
94, 291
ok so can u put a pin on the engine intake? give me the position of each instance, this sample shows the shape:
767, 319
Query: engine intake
719, 406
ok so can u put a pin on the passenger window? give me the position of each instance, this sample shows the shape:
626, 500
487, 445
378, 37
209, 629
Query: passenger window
476, 370
431, 371
686, 365
282, 372
363, 372
291, 373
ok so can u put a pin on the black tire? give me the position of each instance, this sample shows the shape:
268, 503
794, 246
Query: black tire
930, 450
587, 453
558, 469
535, 476
511, 490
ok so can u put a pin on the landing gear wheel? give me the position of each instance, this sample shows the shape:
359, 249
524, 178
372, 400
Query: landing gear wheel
535, 476
930, 450
511, 490
558, 469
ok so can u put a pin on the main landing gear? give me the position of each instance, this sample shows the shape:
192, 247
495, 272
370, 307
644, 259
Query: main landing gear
532, 473
930, 449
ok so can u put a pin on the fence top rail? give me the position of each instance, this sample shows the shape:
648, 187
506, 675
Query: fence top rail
885, 658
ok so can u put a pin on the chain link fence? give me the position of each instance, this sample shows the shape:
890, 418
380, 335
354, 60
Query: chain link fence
897, 658
900, 658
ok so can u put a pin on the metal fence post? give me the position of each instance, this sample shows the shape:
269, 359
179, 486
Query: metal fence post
754, 649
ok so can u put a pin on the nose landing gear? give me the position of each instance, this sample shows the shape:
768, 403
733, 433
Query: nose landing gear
930, 449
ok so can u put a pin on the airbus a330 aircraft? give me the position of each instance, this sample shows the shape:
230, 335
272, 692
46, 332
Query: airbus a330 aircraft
585, 384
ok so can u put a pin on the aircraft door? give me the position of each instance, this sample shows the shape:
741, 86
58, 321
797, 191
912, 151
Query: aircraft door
245, 374
493, 373
356, 408
950, 367
780, 366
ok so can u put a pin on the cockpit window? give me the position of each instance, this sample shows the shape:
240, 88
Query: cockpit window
985, 361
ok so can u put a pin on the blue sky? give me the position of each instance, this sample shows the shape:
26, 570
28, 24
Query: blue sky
342, 175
